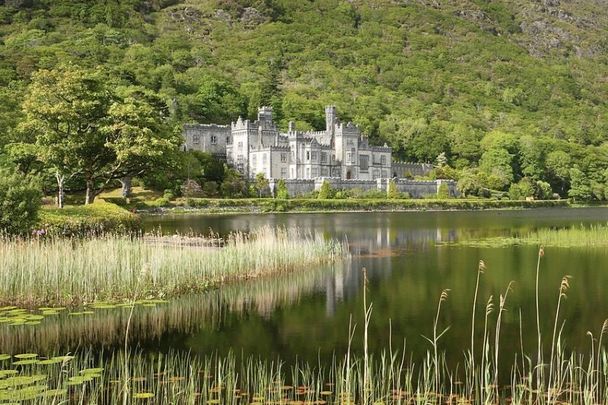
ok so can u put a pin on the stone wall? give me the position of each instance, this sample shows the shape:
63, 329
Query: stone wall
403, 170
414, 188
295, 187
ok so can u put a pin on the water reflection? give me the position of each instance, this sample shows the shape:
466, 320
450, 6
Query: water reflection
105, 328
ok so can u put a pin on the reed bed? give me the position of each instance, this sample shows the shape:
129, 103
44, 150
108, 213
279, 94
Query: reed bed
178, 378
184, 315
59, 271
593, 236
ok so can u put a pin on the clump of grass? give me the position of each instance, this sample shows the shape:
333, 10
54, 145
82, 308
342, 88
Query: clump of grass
594, 236
59, 271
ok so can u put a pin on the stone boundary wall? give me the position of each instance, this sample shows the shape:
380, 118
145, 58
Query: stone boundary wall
414, 188
406, 169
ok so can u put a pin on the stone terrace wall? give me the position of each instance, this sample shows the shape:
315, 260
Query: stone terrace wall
414, 188
405, 169
295, 187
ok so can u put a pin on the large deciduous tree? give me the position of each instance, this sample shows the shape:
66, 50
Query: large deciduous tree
86, 125
64, 110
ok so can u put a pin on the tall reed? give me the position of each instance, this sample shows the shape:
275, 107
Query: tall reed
574, 377
72, 271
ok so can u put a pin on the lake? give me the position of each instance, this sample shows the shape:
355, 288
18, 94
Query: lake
410, 258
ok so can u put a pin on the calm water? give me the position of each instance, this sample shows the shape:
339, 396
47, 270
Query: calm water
306, 315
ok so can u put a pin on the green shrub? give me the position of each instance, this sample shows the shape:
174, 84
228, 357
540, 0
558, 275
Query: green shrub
443, 192
325, 192
281, 191
20, 200
543, 191
391, 191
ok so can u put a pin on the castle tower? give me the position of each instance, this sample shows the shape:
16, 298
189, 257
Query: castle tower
265, 117
331, 119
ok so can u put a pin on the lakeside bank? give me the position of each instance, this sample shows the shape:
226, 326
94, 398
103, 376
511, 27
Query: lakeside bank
267, 205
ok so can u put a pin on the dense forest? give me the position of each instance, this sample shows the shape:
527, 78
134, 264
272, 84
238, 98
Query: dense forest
510, 94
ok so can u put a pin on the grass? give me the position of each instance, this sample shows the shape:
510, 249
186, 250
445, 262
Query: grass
60, 271
593, 236
98, 218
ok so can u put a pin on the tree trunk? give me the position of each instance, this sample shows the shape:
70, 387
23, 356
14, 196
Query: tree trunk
90, 196
126, 186
60, 191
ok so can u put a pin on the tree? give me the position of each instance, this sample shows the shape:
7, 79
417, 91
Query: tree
580, 189
543, 190
281, 191
233, 185
261, 184
20, 200
470, 183
138, 136
441, 160
522, 190
64, 110
325, 192
85, 126
496, 163
558, 166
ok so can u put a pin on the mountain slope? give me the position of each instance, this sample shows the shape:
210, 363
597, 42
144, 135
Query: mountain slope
427, 76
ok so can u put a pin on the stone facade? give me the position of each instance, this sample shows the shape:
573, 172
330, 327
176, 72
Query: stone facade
207, 138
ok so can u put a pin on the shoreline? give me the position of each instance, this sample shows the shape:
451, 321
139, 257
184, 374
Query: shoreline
219, 207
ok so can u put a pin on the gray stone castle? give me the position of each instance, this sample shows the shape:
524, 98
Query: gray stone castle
340, 154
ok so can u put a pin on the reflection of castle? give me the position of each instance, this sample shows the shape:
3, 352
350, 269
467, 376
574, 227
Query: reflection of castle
340, 151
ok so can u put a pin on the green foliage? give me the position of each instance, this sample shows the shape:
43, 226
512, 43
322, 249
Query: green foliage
83, 126
391, 190
496, 163
443, 192
473, 89
358, 204
469, 183
580, 189
326, 192
20, 200
543, 190
281, 191
261, 184
233, 185
523, 189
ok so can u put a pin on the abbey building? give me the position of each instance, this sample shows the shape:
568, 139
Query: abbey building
340, 151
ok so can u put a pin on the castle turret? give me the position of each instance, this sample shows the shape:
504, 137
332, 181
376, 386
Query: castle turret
330, 119
265, 117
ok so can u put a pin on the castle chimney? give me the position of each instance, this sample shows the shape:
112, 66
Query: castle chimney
292, 126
